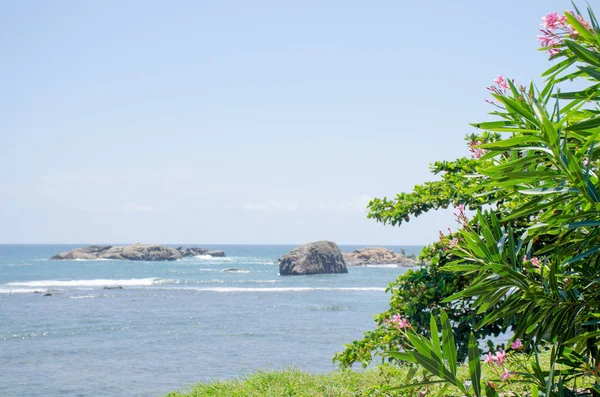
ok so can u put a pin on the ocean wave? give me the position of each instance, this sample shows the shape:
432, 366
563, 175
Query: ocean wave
385, 265
280, 289
82, 283
167, 281
17, 290
84, 297
90, 260
214, 258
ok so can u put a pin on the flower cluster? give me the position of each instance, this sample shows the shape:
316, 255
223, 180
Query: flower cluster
555, 29
398, 322
535, 261
448, 241
476, 153
500, 85
499, 360
460, 215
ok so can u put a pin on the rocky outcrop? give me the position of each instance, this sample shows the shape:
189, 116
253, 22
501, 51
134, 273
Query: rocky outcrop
321, 257
378, 256
193, 251
134, 252
216, 253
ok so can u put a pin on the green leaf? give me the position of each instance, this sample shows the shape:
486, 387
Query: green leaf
544, 190
435, 337
475, 365
581, 256
573, 21
583, 53
448, 346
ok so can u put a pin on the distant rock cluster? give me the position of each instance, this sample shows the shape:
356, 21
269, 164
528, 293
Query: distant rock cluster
135, 252
325, 257
378, 256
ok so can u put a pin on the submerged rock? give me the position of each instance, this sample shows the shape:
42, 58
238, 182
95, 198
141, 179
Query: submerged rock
235, 270
216, 253
321, 257
113, 287
377, 256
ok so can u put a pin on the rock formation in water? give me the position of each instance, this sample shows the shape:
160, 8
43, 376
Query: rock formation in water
321, 257
134, 252
377, 256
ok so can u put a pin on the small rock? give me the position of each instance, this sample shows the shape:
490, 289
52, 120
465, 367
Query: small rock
113, 287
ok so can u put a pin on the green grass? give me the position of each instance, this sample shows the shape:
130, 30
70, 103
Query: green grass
368, 383
297, 383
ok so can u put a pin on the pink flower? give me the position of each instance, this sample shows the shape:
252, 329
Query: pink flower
404, 323
491, 384
461, 207
553, 20
400, 321
535, 261
500, 81
586, 161
524, 258
553, 51
454, 242
506, 375
516, 344
583, 22
489, 358
547, 40
500, 356
476, 152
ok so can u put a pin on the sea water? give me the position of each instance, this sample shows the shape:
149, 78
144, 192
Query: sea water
173, 323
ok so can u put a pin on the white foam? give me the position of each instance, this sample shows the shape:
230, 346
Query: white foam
281, 289
214, 258
90, 260
17, 290
83, 297
385, 265
82, 283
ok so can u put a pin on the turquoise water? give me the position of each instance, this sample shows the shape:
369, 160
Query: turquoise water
173, 323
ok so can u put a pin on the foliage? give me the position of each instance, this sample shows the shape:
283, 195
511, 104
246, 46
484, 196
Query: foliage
438, 359
348, 383
415, 295
532, 253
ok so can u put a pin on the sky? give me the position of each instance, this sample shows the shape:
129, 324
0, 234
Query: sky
242, 122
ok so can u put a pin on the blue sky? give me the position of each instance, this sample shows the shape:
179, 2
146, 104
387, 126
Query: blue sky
238, 121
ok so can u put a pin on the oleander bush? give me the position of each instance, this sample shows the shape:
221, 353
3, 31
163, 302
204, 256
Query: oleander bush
528, 260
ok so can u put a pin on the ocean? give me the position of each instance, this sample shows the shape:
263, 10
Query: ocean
173, 323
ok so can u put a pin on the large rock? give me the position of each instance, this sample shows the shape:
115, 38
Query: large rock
321, 257
216, 253
134, 252
377, 256
192, 251
91, 252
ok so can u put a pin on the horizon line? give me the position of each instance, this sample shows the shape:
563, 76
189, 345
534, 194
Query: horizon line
208, 243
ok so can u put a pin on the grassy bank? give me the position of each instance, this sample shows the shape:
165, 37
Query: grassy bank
293, 382
369, 383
